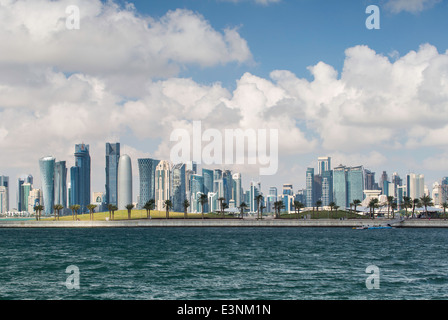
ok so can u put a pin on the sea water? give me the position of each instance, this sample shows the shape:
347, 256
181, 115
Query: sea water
224, 263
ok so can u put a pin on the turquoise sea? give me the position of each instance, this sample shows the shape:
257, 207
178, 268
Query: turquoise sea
223, 263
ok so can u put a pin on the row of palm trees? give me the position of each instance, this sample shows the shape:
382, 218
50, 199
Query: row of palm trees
408, 203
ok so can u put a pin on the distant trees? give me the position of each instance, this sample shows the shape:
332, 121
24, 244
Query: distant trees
221, 204
426, 202
75, 208
278, 206
297, 206
373, 204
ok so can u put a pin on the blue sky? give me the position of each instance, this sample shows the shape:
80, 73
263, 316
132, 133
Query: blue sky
295, 34
309, 68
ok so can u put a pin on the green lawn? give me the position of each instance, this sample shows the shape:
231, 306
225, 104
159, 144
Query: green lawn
140, 214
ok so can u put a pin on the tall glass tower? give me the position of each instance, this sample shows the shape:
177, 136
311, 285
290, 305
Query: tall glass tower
340, 186
112, 158
47, 165
178, 187
124, 182
60, 183
147, 171
80, 180
310, 200
4, 182
162, 184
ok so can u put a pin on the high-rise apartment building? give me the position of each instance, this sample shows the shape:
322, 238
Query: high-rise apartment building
310, 200
197, 188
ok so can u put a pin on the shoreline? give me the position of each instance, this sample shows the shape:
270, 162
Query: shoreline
229, 223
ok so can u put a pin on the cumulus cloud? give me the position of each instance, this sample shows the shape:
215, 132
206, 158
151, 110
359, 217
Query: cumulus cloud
115, 43
261, 2
413, 6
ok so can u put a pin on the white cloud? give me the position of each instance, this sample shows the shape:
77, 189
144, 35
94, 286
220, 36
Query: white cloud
413, 6
118, 44
261, 2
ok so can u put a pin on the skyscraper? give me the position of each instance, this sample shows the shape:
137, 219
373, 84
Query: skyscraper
327, 187
35, 198
323, 164
4, 182
207, 176
47, 165
237, 189
162, 186
197, 188
415, 185
310, 200
340, 186
3, 199
355, 183
147, 172
25, 192
124, 182
348, 185
80, 184
112, 159
19, 195
227, 185
178, 187
60, 183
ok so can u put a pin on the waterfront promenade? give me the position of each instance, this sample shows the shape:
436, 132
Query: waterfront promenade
143, 223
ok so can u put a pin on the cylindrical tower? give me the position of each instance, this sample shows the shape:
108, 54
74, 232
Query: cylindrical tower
47, 176
124, 182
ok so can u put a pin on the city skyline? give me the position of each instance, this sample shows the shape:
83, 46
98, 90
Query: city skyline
366, 97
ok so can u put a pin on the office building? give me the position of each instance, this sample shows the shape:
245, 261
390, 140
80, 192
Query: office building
124, 182
197, 188
35, 198
46, 166
310, 192
112, 160
162, 184
178, 183
3, 199
80, 177
60, 183
4, 182
147, 172
237, 189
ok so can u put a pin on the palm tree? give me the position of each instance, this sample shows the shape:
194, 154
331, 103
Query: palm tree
356, 203
57, 208
278, 205
318, 204
203, 199
444, 206
91, 208
76, 207
186, 205
38, 209
109, 207
426, 201
259, 199
113, 209
129, 207
332, 204
168, 205
242, 207
221, 204
390, 200
373, 204
407, 204
415, 204
149, 205
297, 206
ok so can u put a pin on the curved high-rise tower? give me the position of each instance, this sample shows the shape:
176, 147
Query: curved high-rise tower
124, 182
46, 166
